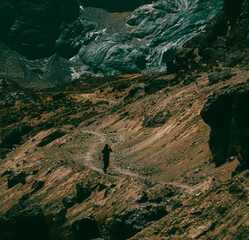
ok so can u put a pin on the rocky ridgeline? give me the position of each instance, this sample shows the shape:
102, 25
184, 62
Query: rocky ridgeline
225, 41
95, 41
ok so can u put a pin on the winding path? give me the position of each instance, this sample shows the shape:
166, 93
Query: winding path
92, 159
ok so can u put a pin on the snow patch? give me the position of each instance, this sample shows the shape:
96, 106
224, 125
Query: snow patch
74, 74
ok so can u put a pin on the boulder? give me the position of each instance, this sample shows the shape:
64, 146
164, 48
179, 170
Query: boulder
15, 178
24, 222
6, 172
101, 187
226, 113
85, 228
82, 192
132, 220
13, 136
69, 200
48, 172
24, 197
142, 198
59, 96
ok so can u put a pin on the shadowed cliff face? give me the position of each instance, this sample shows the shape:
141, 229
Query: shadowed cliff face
31, 27
225, 40
225, 112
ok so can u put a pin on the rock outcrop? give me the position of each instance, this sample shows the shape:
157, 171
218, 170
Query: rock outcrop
226, 112
131, 221
85, 228
15, 178
24, 222
12, 94
224, 38
33, 27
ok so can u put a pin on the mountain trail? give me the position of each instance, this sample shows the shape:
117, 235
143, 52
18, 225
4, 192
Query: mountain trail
93, 160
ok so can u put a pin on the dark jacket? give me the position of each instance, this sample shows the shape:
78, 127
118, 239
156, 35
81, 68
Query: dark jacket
106, 151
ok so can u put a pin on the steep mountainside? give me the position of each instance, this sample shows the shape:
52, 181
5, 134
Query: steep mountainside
179, 166
108, 37
161, 183
225, 41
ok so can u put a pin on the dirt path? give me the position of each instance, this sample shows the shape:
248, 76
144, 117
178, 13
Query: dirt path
92, 159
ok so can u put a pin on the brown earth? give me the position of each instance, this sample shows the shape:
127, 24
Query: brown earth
158, 140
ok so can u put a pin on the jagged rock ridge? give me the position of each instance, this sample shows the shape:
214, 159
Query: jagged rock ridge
99, 42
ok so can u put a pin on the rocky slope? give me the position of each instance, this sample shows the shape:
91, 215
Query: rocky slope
162, 182
225, 41
171, 176
91, 40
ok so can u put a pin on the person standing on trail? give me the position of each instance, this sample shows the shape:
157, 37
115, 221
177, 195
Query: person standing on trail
106, 156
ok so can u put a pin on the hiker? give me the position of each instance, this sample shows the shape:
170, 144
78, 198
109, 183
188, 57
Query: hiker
106, 155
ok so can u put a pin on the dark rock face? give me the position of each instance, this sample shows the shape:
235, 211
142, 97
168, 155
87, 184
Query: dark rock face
71, 37
69, 201
115, 5
237, 15
33, 26
13, 136
204, 47
227, 31
82, 192
15, 178
131, 221
86, 228
226, 112
24, 223
51, 137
